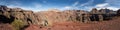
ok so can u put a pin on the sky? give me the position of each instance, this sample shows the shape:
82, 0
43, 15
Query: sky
43, 5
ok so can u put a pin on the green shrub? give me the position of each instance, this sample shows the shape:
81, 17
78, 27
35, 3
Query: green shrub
18, 24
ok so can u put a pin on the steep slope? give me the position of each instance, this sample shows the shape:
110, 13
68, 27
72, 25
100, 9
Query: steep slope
16, 17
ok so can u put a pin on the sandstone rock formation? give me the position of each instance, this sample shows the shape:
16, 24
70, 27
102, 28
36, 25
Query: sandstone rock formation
53, 16
18, 13
96, 15
18, 16
9, 15
107, 13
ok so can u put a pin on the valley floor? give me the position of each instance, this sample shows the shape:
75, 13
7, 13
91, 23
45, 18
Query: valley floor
113, 24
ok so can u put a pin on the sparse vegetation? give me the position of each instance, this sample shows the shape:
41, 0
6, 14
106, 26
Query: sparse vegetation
17, 24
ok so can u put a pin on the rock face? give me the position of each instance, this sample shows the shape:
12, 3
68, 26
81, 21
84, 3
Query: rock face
16, 16
47, 18
107, 13
8, 15
57, 16
118, 12
96, 15
75, 15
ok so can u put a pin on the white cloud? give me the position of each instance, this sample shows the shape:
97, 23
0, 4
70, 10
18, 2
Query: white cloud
14, 4
104, 5
113, 8
87, 3
73, 6
101, 6
86, 6
110, 4
37, 5
67, 7
114, 2
70, 7
76, 3
25, 8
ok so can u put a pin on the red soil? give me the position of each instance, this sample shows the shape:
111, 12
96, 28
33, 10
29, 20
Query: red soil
104, 25
6, 27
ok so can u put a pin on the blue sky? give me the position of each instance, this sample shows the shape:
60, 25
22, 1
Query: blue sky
42, 5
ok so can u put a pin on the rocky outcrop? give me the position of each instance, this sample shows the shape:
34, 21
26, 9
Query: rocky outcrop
18, 16
57, 16
118, 12
75, 15
51, 16
95, 15
107, 13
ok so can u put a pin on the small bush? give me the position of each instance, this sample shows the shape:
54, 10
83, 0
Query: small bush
18, 24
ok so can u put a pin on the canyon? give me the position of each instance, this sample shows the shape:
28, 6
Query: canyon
54, 19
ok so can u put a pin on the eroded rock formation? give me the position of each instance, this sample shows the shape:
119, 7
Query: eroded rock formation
118, 12
47, 18
17, 14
